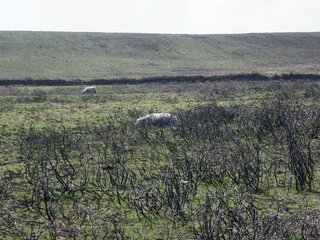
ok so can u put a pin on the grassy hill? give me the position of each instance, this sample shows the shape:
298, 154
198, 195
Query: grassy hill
113, 55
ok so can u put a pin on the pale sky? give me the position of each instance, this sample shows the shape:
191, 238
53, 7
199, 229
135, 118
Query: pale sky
161, 16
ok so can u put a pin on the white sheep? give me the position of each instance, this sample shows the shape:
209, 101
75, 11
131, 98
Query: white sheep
184, 181
158, 119
90, 90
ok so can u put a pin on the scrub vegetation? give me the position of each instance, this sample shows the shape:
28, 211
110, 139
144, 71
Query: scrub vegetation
243, 162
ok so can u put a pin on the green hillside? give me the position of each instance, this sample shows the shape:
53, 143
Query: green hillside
113, 55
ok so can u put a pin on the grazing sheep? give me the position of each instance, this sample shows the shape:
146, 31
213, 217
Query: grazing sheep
158, 119
90, 90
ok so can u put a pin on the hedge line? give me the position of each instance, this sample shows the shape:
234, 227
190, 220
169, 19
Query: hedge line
170, 79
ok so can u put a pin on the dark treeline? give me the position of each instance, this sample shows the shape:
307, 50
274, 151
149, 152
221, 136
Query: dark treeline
163, 80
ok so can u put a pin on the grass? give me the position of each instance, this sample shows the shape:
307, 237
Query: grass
42, 107
54, 55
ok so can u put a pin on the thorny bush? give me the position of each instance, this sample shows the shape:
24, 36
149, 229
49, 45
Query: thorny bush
87, 181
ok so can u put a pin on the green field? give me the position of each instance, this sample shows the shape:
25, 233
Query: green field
242, 164
57, 55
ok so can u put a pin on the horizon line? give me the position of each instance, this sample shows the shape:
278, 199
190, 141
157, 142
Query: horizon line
158, 33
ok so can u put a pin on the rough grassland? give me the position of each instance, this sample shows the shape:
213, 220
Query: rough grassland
53, 55
145, 154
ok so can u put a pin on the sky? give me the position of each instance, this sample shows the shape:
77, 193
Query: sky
161, 16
